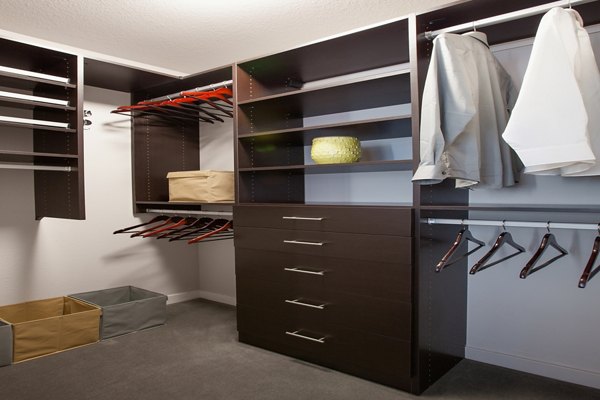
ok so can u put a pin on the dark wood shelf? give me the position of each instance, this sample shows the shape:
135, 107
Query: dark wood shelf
380, 128
30, 104
371, 82
17, 81
557, 208
38, 127
35, 157
367, 166
358, 51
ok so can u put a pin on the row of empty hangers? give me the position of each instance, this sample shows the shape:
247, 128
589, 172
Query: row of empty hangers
193, 229
210, 103
505, 238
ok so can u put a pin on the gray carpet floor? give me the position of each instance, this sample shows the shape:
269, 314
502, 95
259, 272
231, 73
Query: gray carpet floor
196, 356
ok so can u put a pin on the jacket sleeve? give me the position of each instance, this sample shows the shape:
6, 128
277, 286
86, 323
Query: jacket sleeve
447, 107
548, 125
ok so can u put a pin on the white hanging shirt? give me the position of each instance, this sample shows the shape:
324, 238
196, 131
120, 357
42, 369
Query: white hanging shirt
463, 115
555, 125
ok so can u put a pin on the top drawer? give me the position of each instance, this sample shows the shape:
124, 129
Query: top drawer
373, 220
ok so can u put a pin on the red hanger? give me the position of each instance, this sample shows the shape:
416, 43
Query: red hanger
228, 225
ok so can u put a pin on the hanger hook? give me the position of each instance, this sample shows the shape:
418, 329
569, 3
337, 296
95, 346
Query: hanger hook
462, 223
548, 226
598, 228
570, 4
475, 28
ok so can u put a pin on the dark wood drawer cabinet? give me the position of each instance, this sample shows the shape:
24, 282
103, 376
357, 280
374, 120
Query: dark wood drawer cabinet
381, 248
330, 285
376, 357
374, 220
368, 314
362, 277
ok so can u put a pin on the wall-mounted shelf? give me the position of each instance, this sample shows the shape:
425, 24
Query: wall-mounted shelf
9, 79
288, 110
367, 166
373, 129
6, 101
42, 97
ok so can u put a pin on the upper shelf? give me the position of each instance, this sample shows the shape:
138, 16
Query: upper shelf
380, 128
21, 81
369, 92
10, 101
363, 50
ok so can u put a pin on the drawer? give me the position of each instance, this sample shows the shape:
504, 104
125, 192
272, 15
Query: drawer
367, 278
375, 357
381, 248
373, 220
301, 301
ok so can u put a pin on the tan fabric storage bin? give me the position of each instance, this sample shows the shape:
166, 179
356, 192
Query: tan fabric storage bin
46, 326
202, 186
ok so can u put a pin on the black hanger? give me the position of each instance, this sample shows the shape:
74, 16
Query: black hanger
214, 224
588, 273
547, 241
504, 237
463, 236
152, 221
197, 224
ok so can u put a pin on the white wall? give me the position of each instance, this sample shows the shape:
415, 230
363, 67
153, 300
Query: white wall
544, 324
53, 257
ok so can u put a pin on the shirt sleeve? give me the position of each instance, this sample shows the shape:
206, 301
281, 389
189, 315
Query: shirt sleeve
447, 107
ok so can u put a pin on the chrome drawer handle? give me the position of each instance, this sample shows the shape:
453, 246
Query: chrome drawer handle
304, 243
296, 334
304, 271
300, 303
305, 218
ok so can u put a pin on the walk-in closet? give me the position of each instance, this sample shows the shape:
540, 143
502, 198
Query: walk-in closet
300, 199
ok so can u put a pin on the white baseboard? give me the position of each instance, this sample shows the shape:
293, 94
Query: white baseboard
184, 296
219, 298
555, 371
200, 294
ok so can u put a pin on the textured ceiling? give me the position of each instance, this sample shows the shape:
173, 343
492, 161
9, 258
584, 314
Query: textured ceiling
194, 35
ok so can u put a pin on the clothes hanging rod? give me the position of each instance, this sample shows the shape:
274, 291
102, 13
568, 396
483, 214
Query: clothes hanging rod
37, 167
511, 16
190, 212
516, 224
212, 86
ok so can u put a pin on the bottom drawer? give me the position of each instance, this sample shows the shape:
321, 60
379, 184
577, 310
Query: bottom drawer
378, 358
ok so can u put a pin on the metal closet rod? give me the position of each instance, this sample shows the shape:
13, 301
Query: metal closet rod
37, 167
511, 16
191, 212
212, 86
517, 224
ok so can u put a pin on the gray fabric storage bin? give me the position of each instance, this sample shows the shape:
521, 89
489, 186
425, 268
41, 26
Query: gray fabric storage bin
127, 309
5, 343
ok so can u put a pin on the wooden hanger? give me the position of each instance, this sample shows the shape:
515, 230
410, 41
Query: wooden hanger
214, 224
201, 222
129, 229
168, 221
504, 238
227, 226
183, 221
464, 235
549, 240
588, 272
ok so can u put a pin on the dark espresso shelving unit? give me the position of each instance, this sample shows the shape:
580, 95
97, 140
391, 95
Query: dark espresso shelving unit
57, 153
